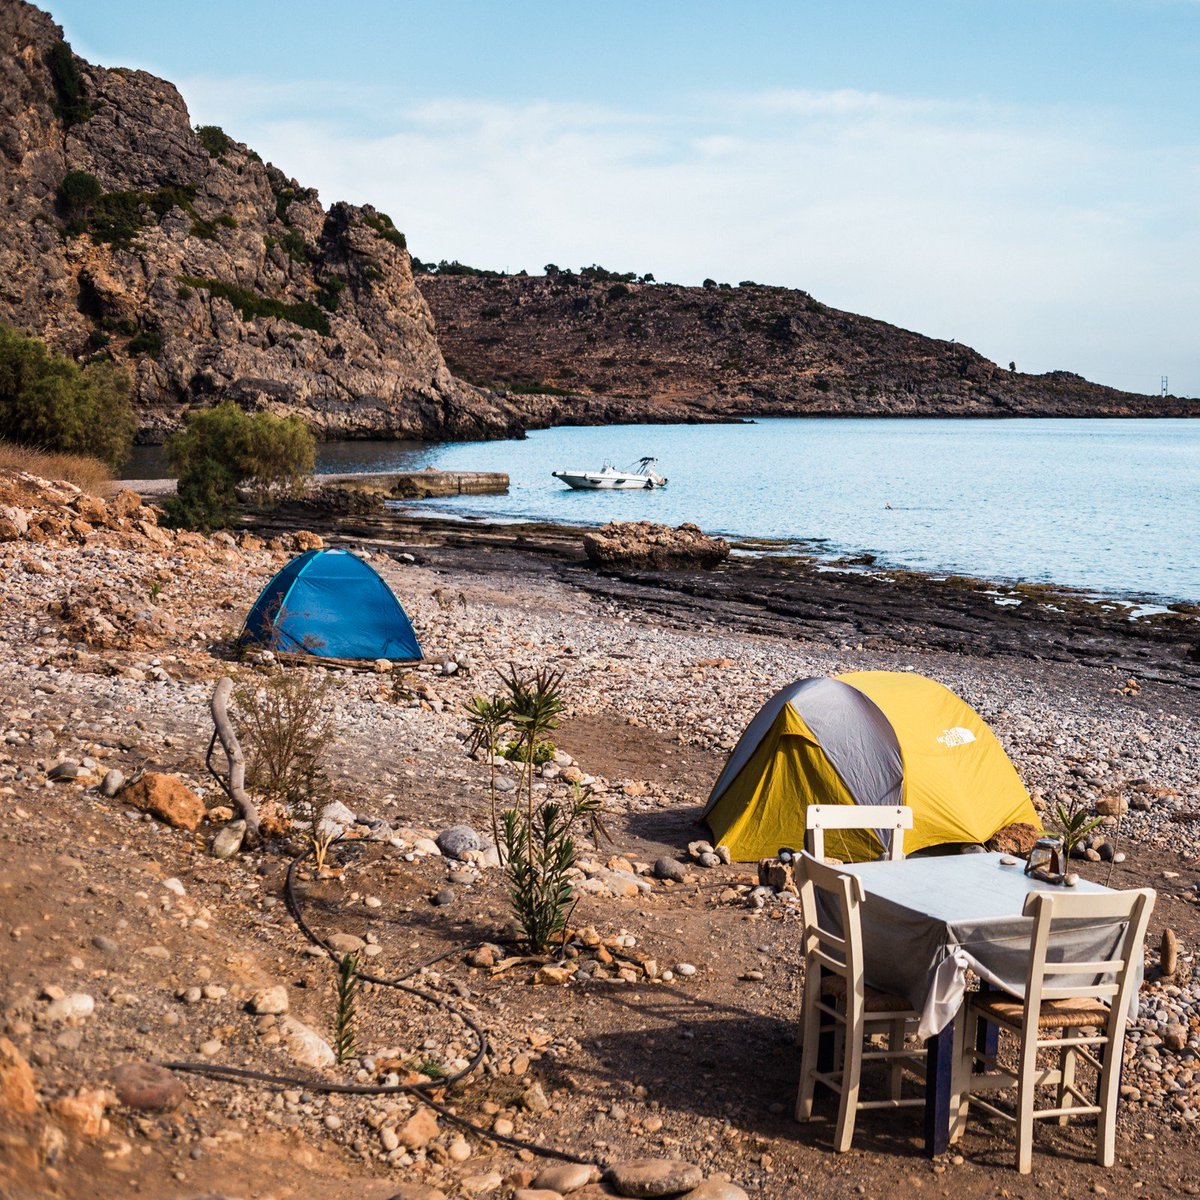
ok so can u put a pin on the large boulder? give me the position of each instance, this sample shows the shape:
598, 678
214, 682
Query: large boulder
644, 544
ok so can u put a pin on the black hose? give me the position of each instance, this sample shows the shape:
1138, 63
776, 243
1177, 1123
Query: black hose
420, 1090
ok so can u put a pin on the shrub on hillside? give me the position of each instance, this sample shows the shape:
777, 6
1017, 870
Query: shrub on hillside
214, 139
224, 448
52, 403
250, 304
70, 103
78, 194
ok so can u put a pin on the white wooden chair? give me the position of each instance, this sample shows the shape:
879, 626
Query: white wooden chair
888, 818
836, 1000
1058, 1017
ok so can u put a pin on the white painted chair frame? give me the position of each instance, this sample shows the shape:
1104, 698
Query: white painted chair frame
1102, 1049
827, 953
895, 818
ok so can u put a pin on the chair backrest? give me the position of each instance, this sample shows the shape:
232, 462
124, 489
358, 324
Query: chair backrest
833, 932
889, 821
1110, 979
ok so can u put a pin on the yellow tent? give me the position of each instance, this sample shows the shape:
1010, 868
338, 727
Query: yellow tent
869, 737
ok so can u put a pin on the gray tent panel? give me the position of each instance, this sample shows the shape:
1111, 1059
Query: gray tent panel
856, 737
859, 741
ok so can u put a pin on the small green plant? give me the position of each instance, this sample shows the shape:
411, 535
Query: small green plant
1073, 822
206, 228
287, 733
488, 716
155, 591
345, 1045
77, 193
330, 293
146, 341
292, 243
535, 707
540, 853
431, 1069
517, 751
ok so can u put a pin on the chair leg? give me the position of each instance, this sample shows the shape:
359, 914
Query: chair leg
1108, 1092
895, 1045
853, 1033
1026, 1094
809, 1051
964, 1063
1066, 1075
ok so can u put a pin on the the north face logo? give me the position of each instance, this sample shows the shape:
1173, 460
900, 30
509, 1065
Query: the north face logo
958, 736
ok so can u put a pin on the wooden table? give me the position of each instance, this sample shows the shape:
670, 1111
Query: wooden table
926, 921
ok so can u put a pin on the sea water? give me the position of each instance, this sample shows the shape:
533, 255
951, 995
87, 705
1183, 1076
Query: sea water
1109, 506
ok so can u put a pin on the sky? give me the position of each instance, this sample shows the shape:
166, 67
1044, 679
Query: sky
1019, 175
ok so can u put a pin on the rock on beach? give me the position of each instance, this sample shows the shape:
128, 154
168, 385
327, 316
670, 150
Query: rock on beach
643, 544
166, 797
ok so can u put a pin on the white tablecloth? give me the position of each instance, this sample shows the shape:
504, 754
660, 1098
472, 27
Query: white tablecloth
927, 920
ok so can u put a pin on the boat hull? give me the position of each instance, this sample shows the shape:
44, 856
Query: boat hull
597, 482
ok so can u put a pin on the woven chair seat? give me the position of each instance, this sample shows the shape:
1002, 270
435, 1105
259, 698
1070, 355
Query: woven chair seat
873, 1001
1083, 1012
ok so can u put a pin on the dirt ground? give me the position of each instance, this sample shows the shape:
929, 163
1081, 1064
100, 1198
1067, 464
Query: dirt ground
712, 1058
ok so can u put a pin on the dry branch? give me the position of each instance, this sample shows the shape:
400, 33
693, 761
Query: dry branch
235, 784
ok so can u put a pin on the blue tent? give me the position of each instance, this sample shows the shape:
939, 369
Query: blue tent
331, 604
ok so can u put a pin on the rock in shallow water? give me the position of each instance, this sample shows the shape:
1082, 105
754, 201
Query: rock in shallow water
644, 544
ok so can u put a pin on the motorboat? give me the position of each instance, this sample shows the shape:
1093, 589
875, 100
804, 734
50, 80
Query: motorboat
641, 475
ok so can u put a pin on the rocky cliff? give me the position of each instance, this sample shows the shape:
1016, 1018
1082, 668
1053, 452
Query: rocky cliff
127, 232
629, 350
210, 274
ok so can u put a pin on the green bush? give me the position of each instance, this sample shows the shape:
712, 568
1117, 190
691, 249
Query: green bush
50, 402
382, 224
223, 448
70, 103
146, 341
214, 139
599, 274
78, 193
204, 228
283, 198
616, 292
118, 217
292, 244
516, 751
250, 304
330, 294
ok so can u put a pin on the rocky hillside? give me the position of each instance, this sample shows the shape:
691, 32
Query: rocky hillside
657, 351
180, 252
